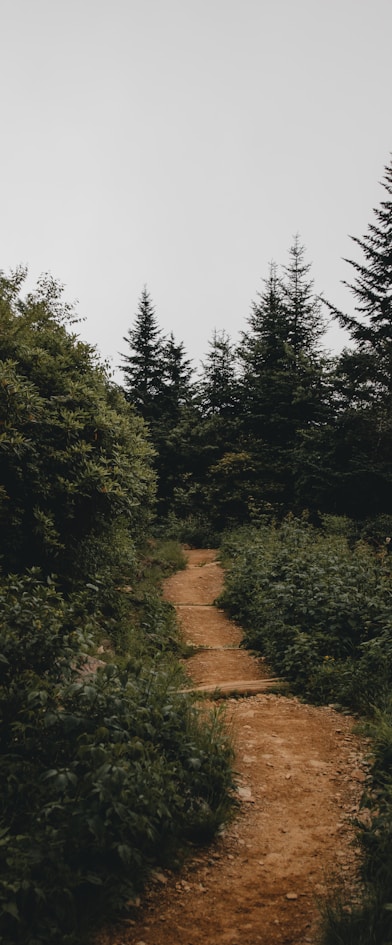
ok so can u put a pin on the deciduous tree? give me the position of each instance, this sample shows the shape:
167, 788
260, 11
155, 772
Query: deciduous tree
74, 460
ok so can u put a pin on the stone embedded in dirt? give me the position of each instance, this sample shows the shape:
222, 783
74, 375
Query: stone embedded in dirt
291, 895
245, 793
359, 775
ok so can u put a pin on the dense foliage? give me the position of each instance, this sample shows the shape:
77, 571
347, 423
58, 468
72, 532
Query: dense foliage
74, 460
318, 604
318, 607
105, 765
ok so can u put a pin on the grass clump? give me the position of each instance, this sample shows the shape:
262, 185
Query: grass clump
366, 918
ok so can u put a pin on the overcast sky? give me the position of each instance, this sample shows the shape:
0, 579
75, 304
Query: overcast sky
182, 143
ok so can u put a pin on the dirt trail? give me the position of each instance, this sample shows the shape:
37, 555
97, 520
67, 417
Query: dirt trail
300, 774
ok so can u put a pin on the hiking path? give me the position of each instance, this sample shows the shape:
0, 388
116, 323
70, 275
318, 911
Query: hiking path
300, 772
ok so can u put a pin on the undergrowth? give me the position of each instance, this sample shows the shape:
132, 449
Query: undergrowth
318, 608
317, 603
104, 773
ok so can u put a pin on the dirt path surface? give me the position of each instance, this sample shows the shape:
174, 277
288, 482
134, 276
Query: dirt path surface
300, 774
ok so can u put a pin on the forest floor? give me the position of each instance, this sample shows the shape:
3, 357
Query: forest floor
300, 772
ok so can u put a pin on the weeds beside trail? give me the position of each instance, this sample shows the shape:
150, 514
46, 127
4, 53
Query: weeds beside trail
318, 606
106, 767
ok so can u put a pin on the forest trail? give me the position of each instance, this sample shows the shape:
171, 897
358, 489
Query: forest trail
300, 773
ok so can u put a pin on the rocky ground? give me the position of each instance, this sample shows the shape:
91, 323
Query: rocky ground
300, 773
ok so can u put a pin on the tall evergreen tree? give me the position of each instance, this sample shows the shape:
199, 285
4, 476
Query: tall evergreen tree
143, 364
218, 384
174, 412
281, 373
371, 327
221, 461
302, 307
263, 352
364, 380
177, 388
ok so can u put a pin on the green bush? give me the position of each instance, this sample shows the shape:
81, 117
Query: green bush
317, 608
367, 919
318, 604
75, 463
364, 921
168, 555
195, 530
101, 772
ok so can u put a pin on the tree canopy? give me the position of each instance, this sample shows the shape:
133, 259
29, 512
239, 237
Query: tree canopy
74, 459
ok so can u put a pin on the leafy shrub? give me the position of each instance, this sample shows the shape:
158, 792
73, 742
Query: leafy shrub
195, 530
364, 921
319, 610
101, 772
74, 458
376, 530
318, 604
367, 919
168, 555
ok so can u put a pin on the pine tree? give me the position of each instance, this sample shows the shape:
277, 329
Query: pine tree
263, 353
302, 307
143, 366
371, 328
218, 385
281, 379
177, 389
172, 408
364, 379
373, 285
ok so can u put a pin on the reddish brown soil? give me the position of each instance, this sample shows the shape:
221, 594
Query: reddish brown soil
300, 773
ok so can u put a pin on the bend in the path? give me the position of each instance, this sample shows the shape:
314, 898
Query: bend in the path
299, 773
219, 662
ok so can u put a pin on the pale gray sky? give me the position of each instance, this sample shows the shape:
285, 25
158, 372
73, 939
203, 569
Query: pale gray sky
182, 144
